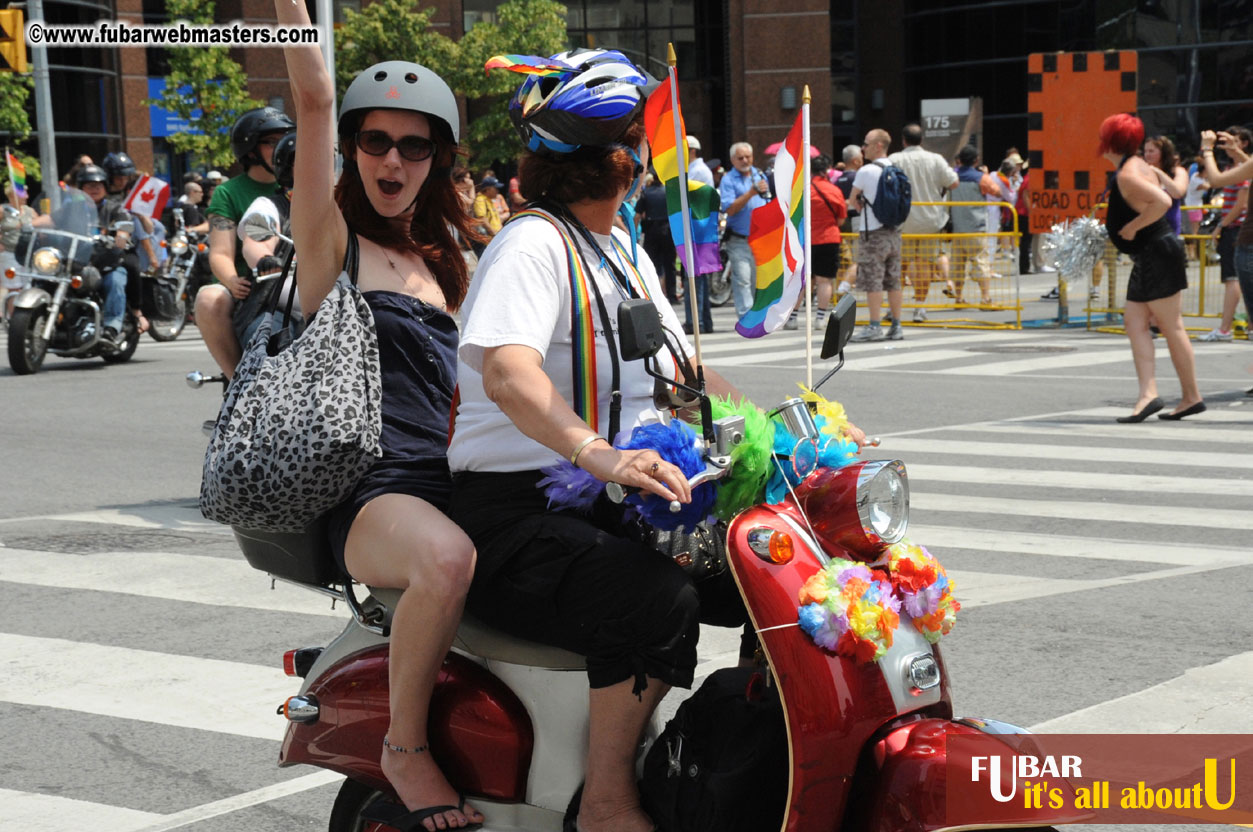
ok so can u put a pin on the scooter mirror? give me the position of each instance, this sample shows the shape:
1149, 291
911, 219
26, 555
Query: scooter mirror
840, 325
640, 334
259, 227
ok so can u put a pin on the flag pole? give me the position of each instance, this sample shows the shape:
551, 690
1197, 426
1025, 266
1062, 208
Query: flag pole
680, 151
808, 281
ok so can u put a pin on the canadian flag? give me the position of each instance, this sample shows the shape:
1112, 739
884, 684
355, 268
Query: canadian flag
148, 197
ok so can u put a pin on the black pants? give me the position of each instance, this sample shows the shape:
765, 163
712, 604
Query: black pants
586, 583
660, 248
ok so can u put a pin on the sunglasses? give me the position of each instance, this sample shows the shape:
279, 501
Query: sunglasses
411, 148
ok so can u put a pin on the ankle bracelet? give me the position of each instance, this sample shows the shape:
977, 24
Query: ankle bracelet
402, 750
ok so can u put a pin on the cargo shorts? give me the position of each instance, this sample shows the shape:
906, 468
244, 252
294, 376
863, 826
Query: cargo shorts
879, 260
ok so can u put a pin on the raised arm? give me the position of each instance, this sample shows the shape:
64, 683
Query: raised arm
1146, 197
1218, 179
1175, 185
318, 228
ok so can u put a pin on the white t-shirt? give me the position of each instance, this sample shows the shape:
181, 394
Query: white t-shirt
698, 170
867, 180
1195, 195
521, 295
929, 176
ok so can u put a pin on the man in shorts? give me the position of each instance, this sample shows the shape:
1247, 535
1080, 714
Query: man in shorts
879, 250
931, 178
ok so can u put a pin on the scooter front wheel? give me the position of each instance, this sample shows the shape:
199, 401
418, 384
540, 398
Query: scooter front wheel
352, 799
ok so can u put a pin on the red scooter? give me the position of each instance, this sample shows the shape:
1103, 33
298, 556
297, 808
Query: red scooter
508, 718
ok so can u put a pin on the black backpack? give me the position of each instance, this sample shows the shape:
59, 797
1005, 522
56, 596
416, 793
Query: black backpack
894, 196
721, 765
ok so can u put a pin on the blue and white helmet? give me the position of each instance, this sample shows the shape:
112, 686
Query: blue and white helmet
590, 104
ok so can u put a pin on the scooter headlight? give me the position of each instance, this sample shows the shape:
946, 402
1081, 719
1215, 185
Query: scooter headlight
46, 260
860, 509
883, 501
179, 245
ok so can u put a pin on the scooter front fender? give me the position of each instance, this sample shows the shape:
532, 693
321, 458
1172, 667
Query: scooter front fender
32, 297
910, 780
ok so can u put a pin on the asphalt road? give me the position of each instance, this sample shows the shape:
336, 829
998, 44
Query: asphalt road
1102, 567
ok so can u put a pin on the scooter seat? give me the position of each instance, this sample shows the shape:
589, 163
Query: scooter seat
477, 639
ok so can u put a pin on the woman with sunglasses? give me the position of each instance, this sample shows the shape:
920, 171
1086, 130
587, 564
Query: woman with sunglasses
398, 131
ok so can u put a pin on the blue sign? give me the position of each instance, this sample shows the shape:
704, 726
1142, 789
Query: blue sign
165, 123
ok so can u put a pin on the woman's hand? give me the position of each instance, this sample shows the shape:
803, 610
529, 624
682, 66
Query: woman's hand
1208, 137
855, 434
1127, 232
643, 469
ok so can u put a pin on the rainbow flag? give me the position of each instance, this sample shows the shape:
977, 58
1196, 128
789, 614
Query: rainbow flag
17, 174
702, 200
777, 237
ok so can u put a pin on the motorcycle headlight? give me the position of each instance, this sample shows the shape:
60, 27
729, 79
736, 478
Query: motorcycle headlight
179, 245
46, 260
861, 509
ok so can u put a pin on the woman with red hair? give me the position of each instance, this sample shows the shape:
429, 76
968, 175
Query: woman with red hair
1137, 226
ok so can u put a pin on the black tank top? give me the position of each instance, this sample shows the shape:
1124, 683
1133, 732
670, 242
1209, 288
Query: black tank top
1120, 213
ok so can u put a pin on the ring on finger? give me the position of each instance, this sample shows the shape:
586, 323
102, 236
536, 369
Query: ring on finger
655, 468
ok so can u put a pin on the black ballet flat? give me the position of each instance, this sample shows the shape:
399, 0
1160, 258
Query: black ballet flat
1199, 407
1149, 409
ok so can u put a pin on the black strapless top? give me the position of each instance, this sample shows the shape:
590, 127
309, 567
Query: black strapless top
1120, 213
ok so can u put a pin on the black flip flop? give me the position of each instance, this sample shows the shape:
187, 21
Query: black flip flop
398, 817
1149, 409
1199, 407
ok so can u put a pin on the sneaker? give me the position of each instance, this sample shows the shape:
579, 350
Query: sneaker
1051, 294
844, 288
791, 322
895, 334
869, 332
1094, 293
1215, 335
820, 319
920, 315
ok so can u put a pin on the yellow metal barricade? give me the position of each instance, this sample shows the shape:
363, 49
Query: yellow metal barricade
952, 276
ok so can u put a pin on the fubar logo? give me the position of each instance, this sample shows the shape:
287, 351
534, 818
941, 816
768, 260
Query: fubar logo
1025, 766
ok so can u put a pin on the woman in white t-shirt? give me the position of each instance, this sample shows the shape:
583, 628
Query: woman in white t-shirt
569, 578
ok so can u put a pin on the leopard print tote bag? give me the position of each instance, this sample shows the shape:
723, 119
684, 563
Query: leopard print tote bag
299, 426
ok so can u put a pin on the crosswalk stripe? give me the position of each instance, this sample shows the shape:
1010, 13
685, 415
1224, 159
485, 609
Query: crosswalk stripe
939, 537
1174, 706
1153, 430
982, 589
183, 691
1153, 515
196, 579
1067, 452
1139, 483
1240, 414
732, 342
1052, 361
35, 810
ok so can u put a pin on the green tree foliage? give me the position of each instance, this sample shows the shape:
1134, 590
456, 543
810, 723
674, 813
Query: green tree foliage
522, 27
208, 80
14, 120
389, 30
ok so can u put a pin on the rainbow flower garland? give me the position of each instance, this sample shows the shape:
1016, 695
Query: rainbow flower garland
850, 609
853, 610
926, 592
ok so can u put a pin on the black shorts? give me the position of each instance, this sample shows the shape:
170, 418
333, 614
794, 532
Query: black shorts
584, 582
1227, 253
1160, 270
826, 259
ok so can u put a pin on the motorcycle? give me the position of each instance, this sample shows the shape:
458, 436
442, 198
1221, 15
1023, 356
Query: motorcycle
508, 718
60, 309
168, 296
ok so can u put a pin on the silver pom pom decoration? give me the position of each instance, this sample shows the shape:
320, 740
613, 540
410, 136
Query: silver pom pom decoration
1075, 246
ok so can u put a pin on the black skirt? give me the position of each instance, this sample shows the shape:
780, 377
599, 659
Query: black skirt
1160, 270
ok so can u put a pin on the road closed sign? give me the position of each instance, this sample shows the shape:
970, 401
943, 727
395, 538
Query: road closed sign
1069, 94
